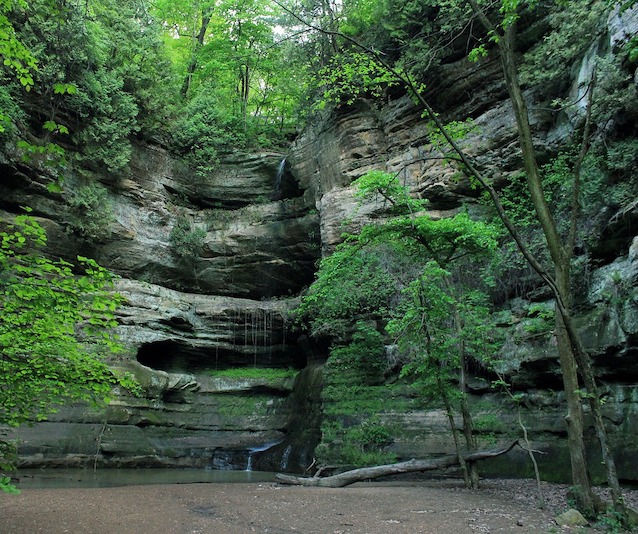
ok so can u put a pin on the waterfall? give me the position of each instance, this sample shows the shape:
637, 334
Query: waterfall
279, 177
259, 448
285, 457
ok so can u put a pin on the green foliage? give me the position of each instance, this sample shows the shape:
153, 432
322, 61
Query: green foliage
360, 362
369, 271
352, 396
509, 267
401, 274
8, 456
573, 25
186, 241
100, 66
416, 34
17, 57
612, 521
351, 282
266, 373
621, 158
540, 320
351, 75
378, 184
439, 326
228, 54
7, 487
457, 130
91, 211
204, 131
10, 111
615, 92
56, 328
358, 445
109, 118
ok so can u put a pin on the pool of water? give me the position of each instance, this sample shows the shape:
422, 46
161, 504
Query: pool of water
104, 478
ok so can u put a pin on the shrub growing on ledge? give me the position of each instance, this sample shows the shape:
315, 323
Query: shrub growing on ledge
185, 240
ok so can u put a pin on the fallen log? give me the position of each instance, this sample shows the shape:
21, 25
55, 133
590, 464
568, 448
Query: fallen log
411, 466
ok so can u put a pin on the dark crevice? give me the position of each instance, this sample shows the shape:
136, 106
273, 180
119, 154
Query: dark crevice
179, 357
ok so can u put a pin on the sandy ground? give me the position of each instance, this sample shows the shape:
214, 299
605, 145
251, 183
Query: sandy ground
417, 506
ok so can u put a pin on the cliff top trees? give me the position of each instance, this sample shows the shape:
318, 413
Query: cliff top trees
241, 84
124, 65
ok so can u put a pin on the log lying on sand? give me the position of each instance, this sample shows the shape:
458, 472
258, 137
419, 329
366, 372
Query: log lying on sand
411, 466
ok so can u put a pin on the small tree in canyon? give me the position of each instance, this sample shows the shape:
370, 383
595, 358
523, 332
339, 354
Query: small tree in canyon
438, 323
56, 329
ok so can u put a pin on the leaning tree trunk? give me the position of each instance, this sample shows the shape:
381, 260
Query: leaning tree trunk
412, 466
560, 260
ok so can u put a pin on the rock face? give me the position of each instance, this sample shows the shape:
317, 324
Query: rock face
392, 137
187, 318
259, 223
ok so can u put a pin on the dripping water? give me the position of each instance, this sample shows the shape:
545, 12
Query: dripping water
285, 457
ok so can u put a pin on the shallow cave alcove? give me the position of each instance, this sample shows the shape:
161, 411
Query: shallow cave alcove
178, 357
171, 356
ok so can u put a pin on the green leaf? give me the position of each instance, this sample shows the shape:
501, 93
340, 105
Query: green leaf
54, 187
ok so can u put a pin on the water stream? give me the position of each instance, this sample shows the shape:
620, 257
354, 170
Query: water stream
104, 478
281, 169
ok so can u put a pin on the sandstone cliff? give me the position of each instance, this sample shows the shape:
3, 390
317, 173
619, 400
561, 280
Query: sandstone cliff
264, 220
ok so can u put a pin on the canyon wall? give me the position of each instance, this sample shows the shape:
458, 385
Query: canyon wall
259, 224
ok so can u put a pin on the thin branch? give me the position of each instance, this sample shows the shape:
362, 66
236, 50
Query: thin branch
584, 148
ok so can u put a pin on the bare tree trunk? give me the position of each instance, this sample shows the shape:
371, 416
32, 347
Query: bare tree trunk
466, 414
198, 42
560, 259
412, 466
455, 434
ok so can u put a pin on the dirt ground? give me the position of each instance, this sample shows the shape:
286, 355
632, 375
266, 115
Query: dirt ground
416, 506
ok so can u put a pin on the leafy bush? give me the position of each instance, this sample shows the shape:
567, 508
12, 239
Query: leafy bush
185, 241
91, 211
10, 111
204, 131
359, 445
109, 119
56, 329
362, 361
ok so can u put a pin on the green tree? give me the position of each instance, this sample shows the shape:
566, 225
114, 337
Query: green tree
236, 76
100, 75
500, 29
17, 57
398, 269
573, 357
56, 329
442, 327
